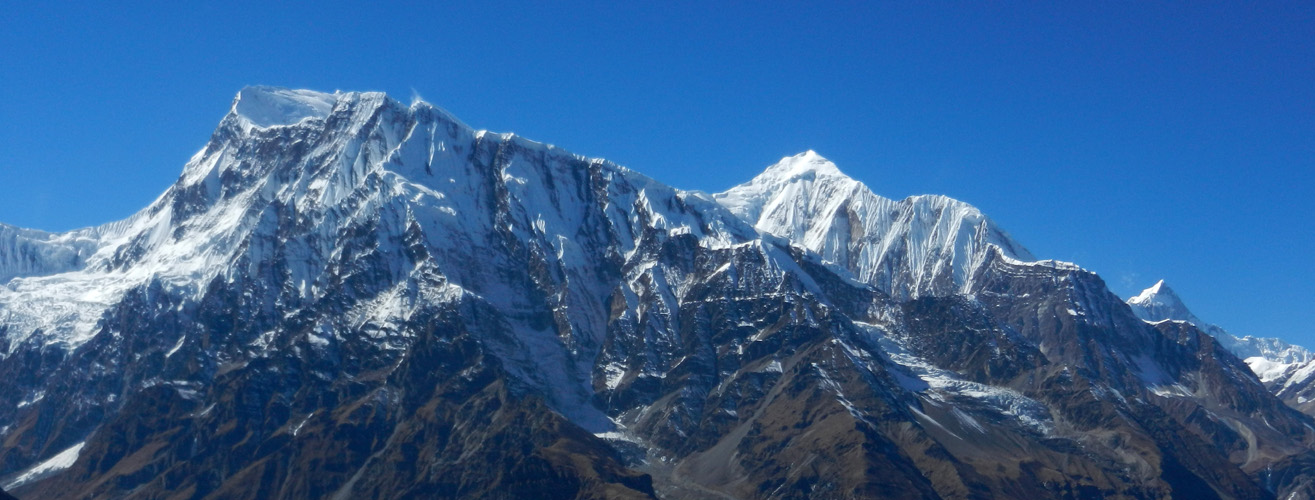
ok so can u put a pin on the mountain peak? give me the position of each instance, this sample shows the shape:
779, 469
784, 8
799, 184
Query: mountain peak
921, 245
799, 175
331, 255
264, 106
1157, 291
799, 166
1272, 359
1159, 302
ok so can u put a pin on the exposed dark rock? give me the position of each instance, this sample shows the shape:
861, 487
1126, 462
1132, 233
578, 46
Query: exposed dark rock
405, 308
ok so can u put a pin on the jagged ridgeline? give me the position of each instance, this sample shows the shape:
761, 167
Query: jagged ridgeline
343, 296
1287, 370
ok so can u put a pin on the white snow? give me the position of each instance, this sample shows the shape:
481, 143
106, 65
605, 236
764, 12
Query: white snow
934, 422
908, 248
265, 107
967, 420
944, 385
614, 373
615, 436
1049, 263
38, 396
829, 383
176, 347
401, 167
28, 252
1274, 361
297, 429
1170, 390
59, 462
1159, 302
1149, 295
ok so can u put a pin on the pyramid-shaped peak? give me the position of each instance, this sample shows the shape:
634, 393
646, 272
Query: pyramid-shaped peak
1159, 302
1157, 293
801, 165
790, 180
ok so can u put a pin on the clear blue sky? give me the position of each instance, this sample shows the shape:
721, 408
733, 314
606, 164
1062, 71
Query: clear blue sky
1141, 141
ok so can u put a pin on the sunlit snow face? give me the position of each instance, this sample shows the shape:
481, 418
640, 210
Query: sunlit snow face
919, 245
268, 106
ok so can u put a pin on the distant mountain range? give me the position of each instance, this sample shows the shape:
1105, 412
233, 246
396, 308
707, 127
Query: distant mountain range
1287, 370
344, 296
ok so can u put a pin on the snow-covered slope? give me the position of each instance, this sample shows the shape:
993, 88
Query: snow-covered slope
28, 252
265, 107
1283, 367
922, 245
345, 296
290, 175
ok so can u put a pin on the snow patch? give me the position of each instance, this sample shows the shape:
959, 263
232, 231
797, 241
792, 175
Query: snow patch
35, 398
944, 385
175, 348
614, 373
1170, 391
59, 462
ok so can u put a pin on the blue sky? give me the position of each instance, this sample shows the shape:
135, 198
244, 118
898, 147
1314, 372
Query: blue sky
1169, 140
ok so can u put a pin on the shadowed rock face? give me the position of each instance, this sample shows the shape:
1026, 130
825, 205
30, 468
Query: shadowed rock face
345, 297
443, 423
1287, 370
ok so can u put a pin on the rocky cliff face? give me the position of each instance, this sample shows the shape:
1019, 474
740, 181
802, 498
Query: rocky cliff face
1287, 370
343, 296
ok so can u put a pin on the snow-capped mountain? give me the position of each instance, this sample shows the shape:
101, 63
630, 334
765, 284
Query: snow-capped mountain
922, 245
344, 296
1287, 370
1159, 302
